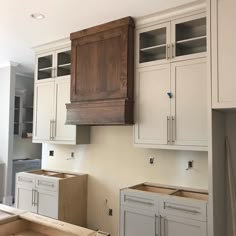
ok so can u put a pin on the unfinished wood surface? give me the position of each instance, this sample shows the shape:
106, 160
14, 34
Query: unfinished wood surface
10, 210
154, 189
73, 200
53, 227
193, 195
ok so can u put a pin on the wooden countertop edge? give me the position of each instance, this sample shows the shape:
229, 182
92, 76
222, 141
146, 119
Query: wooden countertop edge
63, 226
176, 187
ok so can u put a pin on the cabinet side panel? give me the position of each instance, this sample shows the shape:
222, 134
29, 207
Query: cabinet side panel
73, 200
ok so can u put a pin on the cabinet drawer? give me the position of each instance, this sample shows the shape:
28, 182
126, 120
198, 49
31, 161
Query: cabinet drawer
140, 200
47, 183
188, 208
25, 179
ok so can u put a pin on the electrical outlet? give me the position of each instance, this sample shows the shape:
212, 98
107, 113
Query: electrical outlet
51, 153
151, 160
110, 212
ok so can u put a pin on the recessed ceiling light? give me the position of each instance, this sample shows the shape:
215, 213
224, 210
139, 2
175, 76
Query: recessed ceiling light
37, 16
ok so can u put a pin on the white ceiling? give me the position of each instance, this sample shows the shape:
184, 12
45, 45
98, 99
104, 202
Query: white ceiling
19, 32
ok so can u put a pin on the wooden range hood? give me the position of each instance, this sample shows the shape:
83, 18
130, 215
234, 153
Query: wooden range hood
102, 75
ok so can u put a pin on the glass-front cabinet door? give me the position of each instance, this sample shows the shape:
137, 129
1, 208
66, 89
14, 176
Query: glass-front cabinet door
52, 65
45, 66
189, 37
63, 62
153, 44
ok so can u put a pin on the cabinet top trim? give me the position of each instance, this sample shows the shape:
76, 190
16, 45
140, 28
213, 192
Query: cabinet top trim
52, 46
171, 14
103, 27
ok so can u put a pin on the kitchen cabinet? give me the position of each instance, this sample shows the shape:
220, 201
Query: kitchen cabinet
137, 222
167, 111
160, 211
171, 74
152, 104
177, 226
102, 74
43, 113
182, 38
52, 194
222, 14
138, 215
52, 92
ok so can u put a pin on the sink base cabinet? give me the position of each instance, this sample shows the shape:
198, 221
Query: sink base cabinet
64, 199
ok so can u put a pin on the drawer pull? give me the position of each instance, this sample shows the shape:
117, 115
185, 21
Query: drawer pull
182, 209
43, 183
139, 201
21, 179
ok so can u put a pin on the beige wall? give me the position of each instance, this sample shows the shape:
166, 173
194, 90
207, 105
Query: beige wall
112, 163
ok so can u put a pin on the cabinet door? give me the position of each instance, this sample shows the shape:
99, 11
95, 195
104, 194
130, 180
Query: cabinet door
152, 45
47, 203
137, 222
177, 226
63, 63
189, 37
25, 198
62, 132
43, 111
45, 67
152, 104
189, 102
223, 53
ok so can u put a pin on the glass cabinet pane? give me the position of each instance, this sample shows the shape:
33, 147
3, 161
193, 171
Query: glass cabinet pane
45, 67
17, 116
153, 45
63, 63
190, 37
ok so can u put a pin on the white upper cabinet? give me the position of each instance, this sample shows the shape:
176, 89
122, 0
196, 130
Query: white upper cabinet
223, 34
43, 111
152, 45
189, 102
52, 93
171, 85
61, 97
179, 39
189, 37
152, 104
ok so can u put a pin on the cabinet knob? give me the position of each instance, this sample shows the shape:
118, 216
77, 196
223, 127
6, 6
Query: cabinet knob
170, 94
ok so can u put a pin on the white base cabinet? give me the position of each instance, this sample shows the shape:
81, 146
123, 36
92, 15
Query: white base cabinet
146, 212
52, 194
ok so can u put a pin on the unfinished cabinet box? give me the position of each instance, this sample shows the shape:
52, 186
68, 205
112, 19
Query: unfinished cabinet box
102, 75
57, 195
52, 92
